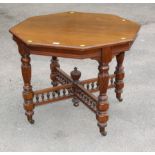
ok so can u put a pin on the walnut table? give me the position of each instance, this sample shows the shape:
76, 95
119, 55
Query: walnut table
75, 35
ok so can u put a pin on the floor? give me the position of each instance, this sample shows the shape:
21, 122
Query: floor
60, 126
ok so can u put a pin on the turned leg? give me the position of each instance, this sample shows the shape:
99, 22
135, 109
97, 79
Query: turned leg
27, 89
119, 72
54, 64
102, 105
75, 74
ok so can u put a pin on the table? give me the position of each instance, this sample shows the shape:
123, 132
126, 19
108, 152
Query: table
77, 35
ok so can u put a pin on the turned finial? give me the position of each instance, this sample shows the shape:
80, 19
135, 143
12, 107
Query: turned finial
75, 74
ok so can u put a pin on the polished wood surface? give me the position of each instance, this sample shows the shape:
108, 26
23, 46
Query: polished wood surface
101, 37
75, 30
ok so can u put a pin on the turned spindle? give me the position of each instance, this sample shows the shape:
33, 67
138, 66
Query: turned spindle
75, 74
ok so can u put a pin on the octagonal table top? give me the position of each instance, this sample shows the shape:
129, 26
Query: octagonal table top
75, 30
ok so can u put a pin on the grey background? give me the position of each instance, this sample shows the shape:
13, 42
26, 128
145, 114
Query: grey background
60, 126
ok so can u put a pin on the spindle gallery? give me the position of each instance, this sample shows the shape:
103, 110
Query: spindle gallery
101, 37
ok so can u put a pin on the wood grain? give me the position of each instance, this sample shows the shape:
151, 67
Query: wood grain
75, 30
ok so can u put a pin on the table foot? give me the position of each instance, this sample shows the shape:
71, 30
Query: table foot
29, 112
31, 121
102, 130
75, 102
29, 117
119, 98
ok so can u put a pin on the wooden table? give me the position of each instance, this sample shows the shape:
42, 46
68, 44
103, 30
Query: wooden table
75, 35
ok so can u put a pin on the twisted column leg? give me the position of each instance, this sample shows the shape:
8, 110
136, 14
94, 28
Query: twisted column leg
119, 84
75, 74
53, 65
27, 89
102, 105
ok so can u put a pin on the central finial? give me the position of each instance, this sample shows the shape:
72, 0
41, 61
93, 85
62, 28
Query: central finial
75, 74
75, 68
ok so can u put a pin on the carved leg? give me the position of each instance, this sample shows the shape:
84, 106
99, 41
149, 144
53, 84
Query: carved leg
53, 65
119, 84
75, 74
27, 89
102, 105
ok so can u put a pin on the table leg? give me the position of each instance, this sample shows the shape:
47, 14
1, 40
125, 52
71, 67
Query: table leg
119, 84
27, 89
53, 65
102, 105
